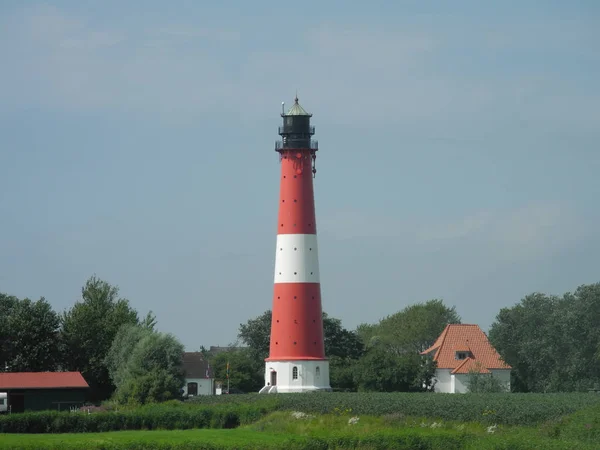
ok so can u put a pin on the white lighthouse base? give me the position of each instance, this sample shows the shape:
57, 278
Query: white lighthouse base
296, 376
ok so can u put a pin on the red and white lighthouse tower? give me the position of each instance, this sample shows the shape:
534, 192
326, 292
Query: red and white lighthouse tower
296, 361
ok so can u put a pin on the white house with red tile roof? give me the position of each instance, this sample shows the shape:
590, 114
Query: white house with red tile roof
461, 349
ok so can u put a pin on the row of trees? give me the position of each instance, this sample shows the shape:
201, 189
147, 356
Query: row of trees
379, 357
87, 338
552, 343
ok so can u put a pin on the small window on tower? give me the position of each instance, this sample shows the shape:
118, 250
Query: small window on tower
318, 372
295, 373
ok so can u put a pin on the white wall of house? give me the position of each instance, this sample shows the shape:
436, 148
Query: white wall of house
458, 383
443, 381
205, 385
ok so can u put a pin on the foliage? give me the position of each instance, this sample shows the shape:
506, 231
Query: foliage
119, 354
392, 361
243, 439
245, 370
416, 327
380, 370
7, 303
340, 342
89, 328
145, 365
293, 430
584, 425
149, 417
509, 409
342, 373
256, 335
483, 383
31, 335
551, 342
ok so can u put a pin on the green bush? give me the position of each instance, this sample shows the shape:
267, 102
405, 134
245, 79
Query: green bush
584, 426
149, 417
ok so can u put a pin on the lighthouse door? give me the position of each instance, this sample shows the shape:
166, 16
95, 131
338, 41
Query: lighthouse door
273, 378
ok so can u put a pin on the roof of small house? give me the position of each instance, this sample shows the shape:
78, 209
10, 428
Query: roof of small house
482, 355
195, 366
469, 364
42, 380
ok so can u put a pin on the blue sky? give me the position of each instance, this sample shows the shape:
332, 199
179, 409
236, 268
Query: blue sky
459, 153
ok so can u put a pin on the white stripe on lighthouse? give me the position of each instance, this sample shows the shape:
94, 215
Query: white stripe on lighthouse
297, 259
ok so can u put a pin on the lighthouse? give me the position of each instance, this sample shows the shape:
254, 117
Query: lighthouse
296, 361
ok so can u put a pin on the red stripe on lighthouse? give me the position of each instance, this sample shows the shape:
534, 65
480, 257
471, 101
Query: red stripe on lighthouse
297, 326
297, 323
296, 195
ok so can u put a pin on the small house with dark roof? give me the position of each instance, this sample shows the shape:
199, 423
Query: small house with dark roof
199, 379
37, 391
462, 349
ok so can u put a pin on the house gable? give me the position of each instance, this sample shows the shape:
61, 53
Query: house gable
463, 348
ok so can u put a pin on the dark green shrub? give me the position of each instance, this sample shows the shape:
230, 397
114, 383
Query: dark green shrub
507, 408
150, 417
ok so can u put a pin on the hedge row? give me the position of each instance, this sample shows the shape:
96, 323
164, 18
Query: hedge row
235, 410
153, 417
508, 409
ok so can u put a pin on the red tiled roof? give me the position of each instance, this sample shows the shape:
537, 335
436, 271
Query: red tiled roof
462, 337
41, 380
469, 364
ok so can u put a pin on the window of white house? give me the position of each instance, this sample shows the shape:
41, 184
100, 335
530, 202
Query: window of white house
461, 355
318, 372
295, 373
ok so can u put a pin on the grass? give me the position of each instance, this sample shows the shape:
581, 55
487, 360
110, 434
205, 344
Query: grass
281, 430
401, 421
237, 438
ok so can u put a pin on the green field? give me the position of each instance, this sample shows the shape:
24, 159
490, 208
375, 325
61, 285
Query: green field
570, 421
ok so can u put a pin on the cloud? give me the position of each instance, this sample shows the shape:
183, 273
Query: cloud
515, 234
59, 61
424, 76
191, 33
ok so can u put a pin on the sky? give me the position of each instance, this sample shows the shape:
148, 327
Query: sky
458, 153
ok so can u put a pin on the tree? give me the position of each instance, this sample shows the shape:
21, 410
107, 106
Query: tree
551, 341
7, 303
382, 371
398, 340
523, 337
256, 334
246, 373
416, 327
88, 330
119, 354
145, 365
483, 383
34, 336
340, 342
